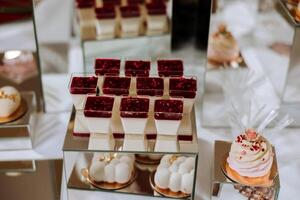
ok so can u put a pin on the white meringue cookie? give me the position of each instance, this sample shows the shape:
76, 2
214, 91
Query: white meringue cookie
10, 100
190, 162
97, 171
187, 183
161, 178
175, 182
122, 172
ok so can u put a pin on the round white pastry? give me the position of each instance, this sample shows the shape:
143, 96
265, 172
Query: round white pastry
187, 183
10, 100
175, 173
175, 182
122, 172
161, 178
97, 171
117, 169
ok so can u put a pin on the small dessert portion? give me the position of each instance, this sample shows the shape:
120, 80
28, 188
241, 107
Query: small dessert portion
85, 9
106, 22
86, 17
168, 115
222, 47
134, 114
106, 66
116, 85
80, 87
98, 113
150, 86
175, 176
170, 67
130, 20
137, 68
10, 103
112, 169
157, 20
186, 88
250, 160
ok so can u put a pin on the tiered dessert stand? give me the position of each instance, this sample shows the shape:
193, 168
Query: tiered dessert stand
159, 136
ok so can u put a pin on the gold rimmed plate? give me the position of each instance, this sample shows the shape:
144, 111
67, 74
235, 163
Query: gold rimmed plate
106, 185
166, 192
255, 182
146, 160
20, 112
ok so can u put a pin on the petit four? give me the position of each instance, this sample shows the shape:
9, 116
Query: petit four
157, 21
222, 47
106, 22
107, 66
112, 168
137, 68
250, 159
10, 101
175, 174
170, 67
98, 113
168, 115
134, 114
116, 85
153, 87
80, 87
130, 20
186, 88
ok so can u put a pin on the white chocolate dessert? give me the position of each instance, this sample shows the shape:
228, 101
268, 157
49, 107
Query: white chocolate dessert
106, 22
168, 116
112, 168
156, 17
10, 101
130, 20
175, 173
134, 114
98, 113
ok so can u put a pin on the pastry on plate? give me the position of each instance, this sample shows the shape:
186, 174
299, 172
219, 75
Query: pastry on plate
111, 168
174, 176
222, 47
250, 160
10, 104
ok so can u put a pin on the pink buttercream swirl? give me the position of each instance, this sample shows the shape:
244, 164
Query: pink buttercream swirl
251, 155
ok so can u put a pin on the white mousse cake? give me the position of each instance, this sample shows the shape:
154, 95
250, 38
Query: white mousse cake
175, 173
168, 115
130, 20
185, 88
106, 22
156, 17
98, 113
80, 87
10, 101
134, 114
112, 168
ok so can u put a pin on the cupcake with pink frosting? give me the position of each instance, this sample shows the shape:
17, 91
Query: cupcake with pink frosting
250, 159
